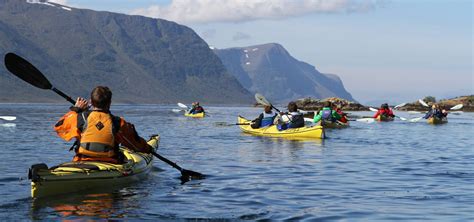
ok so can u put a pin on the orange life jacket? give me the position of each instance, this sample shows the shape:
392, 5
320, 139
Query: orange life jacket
98, 130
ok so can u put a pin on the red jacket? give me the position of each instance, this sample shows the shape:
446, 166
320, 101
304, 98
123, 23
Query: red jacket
343, 115
386, 112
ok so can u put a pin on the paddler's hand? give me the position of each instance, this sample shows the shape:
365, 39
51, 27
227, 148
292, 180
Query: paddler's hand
81, 104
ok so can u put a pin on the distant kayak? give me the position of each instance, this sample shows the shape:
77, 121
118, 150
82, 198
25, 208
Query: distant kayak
436, 120
272, 131
74, 176
197, 115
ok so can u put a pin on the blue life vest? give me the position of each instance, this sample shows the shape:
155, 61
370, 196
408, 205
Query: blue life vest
327, 115
267, 119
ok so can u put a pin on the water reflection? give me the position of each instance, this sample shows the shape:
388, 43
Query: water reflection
98, 204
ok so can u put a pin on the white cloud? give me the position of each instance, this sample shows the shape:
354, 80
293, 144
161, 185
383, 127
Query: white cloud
203, 11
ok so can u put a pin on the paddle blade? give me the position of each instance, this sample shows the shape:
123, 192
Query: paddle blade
26, 71
456, 107
187, 175
8, 118
183, 106
416, 119
366, 120
304, 111
261, 99
402, 118
176, 110
308, 120
399, 105
422, 103
373, 109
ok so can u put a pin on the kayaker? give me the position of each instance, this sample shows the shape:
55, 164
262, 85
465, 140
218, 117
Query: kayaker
196, 108
265, 119
435, 111
338, 109
327, 114
384, 110
295, 118
98, 133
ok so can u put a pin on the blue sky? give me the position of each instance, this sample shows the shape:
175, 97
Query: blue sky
383, 50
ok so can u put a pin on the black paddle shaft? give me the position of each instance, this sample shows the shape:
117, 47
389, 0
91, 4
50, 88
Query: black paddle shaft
68, 98
26, 71
167, 161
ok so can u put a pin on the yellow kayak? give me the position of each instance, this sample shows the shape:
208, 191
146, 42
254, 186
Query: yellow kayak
197, 115
74, 176
381, 118
435, 120
303, 132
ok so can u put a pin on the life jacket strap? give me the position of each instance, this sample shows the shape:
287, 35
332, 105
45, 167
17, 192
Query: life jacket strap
97, 147
75, 146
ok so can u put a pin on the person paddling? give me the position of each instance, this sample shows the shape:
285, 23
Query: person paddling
295, 118
337, 108
326, 114
196, 108
384, 111
265, 119
435, 111
98, 133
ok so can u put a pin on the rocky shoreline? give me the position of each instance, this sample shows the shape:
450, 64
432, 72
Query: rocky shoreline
311, 104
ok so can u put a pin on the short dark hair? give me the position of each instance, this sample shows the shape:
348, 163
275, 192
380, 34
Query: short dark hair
292, 107
101, 97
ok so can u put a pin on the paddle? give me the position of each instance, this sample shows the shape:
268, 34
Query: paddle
305, 112
457, 107
183, 106
30, 74
186, 175
230, 124
262, 100
399, 105
366, 120
8, 118
423, 103
177, 110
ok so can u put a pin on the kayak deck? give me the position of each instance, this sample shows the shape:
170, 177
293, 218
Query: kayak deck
197, 115
75, 176
435, 120
272, 131
381, 118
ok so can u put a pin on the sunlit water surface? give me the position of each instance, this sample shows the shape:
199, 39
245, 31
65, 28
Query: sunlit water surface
377, 171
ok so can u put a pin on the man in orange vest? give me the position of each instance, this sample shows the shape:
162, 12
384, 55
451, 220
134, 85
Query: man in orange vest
98, 133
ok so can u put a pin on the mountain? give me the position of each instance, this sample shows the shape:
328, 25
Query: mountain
142, 60
269, 69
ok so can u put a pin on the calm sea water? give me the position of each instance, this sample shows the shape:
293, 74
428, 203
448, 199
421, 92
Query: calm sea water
377, 171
